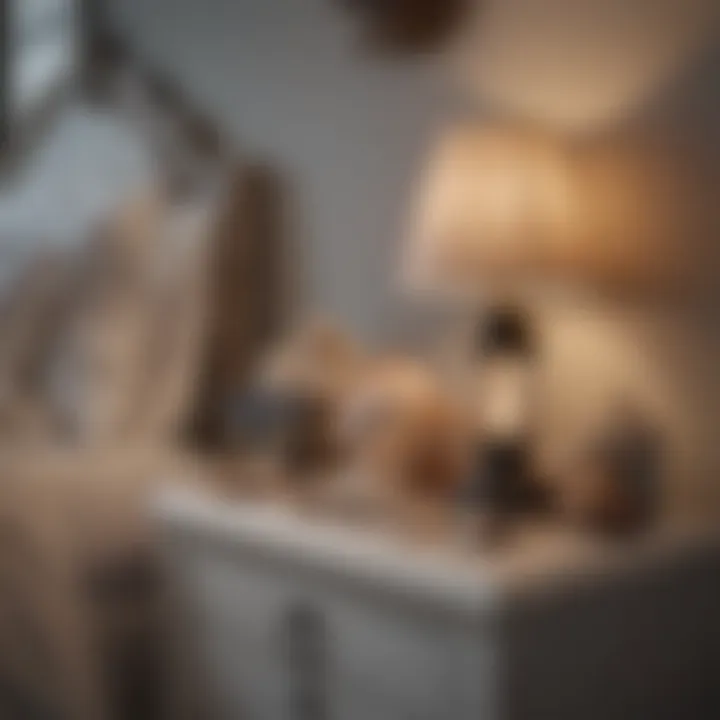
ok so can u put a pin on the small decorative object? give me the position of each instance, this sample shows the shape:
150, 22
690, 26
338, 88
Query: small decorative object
296, 426
318, 358
308, 443
310, 375
615, 486
280, 436
255, 419
403, 436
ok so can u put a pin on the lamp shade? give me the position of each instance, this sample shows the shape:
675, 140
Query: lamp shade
494, 208
515, 208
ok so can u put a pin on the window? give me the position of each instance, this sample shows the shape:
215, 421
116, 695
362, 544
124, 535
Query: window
41, 51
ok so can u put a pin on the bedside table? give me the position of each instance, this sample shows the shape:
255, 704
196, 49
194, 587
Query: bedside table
299, 619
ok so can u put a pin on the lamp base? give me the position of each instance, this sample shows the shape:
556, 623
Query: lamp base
504, 482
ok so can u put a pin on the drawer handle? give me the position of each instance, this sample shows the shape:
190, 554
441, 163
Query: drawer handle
305, 637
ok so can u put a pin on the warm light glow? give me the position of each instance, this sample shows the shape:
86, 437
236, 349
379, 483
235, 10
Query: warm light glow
581, 64
515, 209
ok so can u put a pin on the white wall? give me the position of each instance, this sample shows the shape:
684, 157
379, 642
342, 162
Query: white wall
288, 80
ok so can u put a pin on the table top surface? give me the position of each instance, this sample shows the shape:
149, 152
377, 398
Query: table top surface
424, 549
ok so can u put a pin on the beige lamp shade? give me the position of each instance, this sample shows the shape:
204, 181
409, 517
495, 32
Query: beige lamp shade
512, 208
491, 210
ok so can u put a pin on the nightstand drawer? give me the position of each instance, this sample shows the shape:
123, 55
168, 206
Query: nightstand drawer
240, 609
390, 662
278, 651
274, 648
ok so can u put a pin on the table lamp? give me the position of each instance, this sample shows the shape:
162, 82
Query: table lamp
492, 226
509, 215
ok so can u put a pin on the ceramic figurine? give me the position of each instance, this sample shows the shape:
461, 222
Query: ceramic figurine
405, 438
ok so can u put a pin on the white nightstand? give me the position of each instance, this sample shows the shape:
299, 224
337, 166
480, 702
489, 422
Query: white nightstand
300, 620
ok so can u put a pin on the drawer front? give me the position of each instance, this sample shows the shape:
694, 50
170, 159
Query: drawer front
283, 650
388, 664
240, 636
